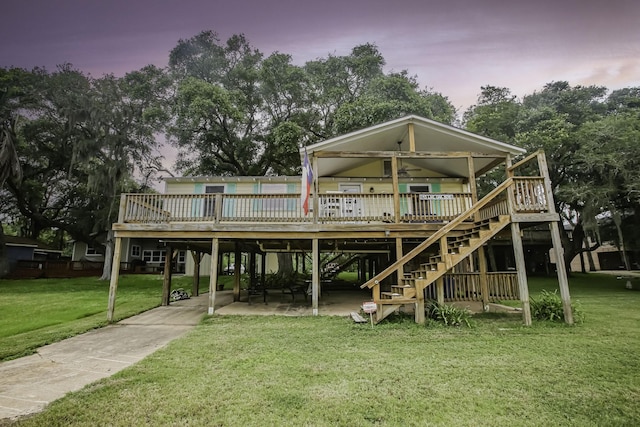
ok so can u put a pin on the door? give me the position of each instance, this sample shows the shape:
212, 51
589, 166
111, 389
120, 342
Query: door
420, 201
350, 206
209, 209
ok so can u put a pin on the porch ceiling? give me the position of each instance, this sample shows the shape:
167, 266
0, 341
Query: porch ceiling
430, 137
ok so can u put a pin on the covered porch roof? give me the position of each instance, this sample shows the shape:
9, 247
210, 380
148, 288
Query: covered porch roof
423, 143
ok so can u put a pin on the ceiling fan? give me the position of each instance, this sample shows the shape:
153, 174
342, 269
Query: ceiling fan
403, 170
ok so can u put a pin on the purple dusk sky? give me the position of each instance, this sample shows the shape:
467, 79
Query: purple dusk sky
452, 46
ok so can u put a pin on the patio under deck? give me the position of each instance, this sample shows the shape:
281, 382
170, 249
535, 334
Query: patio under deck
333, 303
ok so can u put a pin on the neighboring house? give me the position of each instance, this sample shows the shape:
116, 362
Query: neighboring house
137, 255
29, 258
26, 249
400, 195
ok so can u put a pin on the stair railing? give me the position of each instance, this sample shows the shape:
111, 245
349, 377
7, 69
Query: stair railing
375, 280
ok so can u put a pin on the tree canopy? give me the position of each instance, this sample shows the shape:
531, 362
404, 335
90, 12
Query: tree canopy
591, 141
239, 113
79, 142
70, 143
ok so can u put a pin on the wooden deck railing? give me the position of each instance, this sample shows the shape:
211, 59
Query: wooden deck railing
433, 206
334, 208
502, 286
527, 193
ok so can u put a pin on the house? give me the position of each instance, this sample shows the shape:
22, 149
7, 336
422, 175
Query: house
26, 249
137, 256
401, 194
29, 257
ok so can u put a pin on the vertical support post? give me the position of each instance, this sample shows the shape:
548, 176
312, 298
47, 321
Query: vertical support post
197, 257
440, 290
412, 138
219, 285
263, 269
484, 279
557, 242
562, 273
315, 277
523, 286
370, 268
444, 252
518, 252
252, 269
115, 273
316, 188
398, 256
237, 263
396, 188
166, 279
218, 208
472, 182
213, 274
122, 209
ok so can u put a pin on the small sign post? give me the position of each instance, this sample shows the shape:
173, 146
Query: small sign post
370, 307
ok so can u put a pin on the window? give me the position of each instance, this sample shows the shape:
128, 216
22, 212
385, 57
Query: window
386, 168
181, 257
420, 188
274, 203
135, 250
91, 251
153, 256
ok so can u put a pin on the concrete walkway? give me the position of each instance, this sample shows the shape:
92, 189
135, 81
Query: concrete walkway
28, 384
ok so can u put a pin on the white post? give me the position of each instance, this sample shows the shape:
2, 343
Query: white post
113, 284
213, 275
315, 278
521, 270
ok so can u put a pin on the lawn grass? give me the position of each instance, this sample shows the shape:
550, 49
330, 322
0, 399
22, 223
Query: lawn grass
42, 311
325, 371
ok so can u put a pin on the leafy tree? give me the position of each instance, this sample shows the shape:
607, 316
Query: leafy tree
495, 115
9, 161
390, 97
565, 122
80, 142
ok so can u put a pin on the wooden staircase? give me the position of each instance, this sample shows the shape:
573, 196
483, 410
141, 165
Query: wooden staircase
453, 249
457, 240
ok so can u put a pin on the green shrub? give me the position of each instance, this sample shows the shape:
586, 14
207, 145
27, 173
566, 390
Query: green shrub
449, 315
548, 306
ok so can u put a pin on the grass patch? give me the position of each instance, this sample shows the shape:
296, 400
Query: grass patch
328, 371
42, 311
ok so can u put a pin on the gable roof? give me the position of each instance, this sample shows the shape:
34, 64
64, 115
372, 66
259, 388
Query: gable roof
29, 243
430, 136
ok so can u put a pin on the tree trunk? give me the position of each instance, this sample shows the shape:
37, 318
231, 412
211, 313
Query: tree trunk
108, 257
285, 263
4, 257
617, 220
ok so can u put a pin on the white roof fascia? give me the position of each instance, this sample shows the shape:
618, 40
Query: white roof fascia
428, 123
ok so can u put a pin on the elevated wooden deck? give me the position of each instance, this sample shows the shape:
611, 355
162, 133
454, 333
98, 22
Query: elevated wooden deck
281, 215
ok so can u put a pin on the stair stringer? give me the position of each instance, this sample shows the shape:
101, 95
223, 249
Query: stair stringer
386, 307
464, 252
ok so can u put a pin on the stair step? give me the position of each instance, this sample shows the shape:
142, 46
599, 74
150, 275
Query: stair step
401, 289
404, 290
390, 295
396, 301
